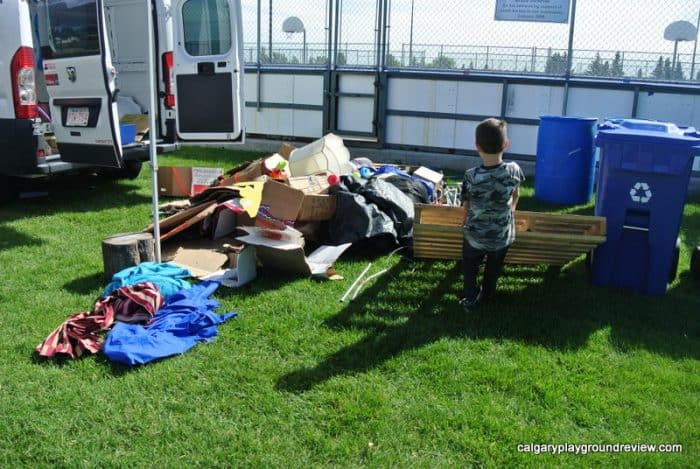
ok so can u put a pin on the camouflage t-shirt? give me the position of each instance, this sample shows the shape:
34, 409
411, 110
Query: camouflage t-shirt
489, 189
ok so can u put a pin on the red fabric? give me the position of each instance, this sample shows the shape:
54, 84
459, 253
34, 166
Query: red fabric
81, 332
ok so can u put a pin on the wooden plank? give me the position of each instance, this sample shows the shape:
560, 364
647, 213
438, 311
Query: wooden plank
542, 238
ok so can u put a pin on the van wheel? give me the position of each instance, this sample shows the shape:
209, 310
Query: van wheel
695, 263
130, 170
673, 272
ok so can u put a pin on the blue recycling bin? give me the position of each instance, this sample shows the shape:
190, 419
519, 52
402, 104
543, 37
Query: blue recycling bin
643, 178
565, 164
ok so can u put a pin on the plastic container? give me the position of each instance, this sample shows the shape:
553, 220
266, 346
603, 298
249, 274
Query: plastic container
128, 133
641, 189
565, 165
325, 154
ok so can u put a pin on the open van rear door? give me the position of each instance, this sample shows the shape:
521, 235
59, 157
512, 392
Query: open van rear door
80, 81
208, 69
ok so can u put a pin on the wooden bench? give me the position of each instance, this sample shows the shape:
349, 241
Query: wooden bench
541, 238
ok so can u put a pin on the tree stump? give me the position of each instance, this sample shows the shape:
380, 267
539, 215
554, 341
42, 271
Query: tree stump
126, 250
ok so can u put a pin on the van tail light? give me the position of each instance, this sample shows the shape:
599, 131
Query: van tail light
168, 80
23, 85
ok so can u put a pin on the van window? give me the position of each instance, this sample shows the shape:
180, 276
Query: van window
72, 29
206, 26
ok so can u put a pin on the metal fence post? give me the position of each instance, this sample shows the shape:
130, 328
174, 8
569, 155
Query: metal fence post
569, 58
258, 77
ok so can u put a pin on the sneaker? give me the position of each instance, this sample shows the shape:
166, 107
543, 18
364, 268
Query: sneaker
469, 305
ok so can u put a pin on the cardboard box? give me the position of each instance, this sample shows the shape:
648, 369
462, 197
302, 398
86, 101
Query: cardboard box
428, 174
284, 250
280, 205
225, 260
316, 205
183, 181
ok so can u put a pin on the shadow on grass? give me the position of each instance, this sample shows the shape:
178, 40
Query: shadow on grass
10, 238
86, 284
535, 306
73, 193
60, 361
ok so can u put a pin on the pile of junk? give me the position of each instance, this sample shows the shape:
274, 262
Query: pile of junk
296, 210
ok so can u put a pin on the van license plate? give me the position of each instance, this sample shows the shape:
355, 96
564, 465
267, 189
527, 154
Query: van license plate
77, 117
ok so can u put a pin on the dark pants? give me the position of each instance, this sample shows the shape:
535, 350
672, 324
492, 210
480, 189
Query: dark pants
471, 260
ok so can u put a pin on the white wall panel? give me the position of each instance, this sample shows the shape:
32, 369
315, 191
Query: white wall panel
355, 114
523, 139
411, 95
677, 108
406, 130
479, 98
308, 89
308, 123
250, 87
270, 121
352, 83
277, 88
531, 101
445, 96
464, 135
441, 133
419, 131
599, 103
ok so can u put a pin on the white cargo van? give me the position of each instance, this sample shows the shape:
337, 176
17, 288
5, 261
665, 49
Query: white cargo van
69, 69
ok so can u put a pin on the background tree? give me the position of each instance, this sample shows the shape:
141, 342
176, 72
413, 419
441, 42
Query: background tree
658, 71
677, 73
556, 64
616, 66
277, 58
598, 68
392, 61
318, 60
668, 71
442, 61
340, 59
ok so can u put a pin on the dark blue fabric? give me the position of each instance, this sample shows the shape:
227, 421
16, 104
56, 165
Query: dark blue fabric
187, 318
389, 169
169, 278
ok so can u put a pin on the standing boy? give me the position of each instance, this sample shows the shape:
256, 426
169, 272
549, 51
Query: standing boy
490, 194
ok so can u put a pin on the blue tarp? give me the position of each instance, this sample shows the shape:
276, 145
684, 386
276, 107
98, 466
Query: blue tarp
168, 278
187, 318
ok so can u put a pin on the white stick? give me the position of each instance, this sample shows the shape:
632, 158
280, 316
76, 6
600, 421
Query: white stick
364, 282
347, 292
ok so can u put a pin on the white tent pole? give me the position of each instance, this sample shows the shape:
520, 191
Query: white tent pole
152, 127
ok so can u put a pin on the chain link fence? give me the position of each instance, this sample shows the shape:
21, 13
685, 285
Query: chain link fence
637, 39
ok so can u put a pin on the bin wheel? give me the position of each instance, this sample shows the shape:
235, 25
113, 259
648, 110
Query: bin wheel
695, 263
673, 272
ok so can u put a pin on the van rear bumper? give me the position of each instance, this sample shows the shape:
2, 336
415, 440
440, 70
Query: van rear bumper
18, 146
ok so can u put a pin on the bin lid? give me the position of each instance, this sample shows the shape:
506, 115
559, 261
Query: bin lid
646, 131
567, 118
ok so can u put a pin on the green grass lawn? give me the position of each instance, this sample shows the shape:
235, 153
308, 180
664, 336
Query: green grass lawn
399, 377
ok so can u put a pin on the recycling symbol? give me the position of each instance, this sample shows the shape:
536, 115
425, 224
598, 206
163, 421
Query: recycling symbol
640, 192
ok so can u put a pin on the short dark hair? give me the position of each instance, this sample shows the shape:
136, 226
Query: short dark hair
491, 135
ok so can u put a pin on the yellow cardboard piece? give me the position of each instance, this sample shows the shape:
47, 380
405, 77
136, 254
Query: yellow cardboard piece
251, 196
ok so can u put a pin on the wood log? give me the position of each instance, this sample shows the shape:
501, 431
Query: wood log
125, 250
